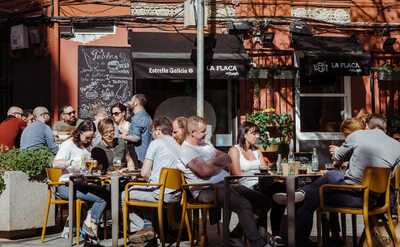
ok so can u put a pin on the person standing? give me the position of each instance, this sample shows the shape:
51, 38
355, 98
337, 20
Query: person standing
139, 134
118, 114
11, 128
39, 134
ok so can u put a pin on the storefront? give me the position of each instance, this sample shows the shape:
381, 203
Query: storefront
323, 88
164, 68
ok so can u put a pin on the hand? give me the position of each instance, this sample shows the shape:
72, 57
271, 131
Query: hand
124, 135
332, 149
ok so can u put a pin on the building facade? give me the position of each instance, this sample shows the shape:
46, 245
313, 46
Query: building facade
320, 61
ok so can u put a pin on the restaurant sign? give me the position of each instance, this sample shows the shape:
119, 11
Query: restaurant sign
187, 70
357, 65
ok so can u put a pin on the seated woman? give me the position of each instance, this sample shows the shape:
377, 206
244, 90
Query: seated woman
71, 156
246, 161
110, 150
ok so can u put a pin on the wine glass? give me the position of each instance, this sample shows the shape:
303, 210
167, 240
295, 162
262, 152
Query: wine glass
117, 163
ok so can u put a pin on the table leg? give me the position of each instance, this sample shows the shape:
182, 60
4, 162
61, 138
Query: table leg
71, 212
226, 215
115, 209
290, 190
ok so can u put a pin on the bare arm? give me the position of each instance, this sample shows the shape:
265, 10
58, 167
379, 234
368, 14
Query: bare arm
235, 165
146, 168
205, 170
60, 163
129, 162
131, 138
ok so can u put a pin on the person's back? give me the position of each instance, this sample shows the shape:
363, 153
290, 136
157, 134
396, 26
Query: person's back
38, 134
371, 148
10, 129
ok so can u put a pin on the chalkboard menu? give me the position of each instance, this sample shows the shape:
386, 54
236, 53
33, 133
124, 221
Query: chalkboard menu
104, 78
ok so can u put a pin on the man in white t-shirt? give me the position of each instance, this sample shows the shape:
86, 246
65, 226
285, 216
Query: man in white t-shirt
202, 163
162, 152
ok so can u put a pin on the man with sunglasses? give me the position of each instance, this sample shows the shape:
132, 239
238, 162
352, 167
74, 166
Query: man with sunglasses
68, 121
11, 128
39, 134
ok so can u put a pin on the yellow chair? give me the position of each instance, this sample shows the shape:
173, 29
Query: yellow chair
53, 176
375, 180
169, 178
397, 189
188, 203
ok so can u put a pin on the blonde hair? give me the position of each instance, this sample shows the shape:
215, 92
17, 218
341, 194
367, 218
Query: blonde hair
193, 123
350, 125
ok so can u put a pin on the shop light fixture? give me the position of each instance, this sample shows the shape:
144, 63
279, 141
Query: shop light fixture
239, 27
300, 28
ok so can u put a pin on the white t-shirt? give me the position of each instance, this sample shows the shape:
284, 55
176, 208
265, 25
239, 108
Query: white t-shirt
205, 152
162, 156
249, 167
73, 155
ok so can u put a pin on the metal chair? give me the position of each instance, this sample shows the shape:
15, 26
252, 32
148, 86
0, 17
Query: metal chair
188, 203
375, 180
169, 178
53, 176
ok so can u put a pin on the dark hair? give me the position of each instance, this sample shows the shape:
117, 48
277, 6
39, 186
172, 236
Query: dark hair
104, 123
243, 130
141, 98
118, 105
86, 125
27, 112
376, 121
63, 108
164, 124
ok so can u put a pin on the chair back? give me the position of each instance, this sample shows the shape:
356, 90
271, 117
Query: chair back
171, 178
376, 179
396, 174
53, 174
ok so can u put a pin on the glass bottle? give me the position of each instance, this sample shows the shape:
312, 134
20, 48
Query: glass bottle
279, 164
314, 161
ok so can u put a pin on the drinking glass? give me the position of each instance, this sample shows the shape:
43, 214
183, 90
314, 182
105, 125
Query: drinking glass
117, 163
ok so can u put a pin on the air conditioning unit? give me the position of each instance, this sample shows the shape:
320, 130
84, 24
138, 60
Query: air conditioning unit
19, 37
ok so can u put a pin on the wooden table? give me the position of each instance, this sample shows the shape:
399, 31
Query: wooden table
290, 190
114, 180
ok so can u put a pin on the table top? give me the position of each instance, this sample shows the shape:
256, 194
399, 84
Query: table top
274, 175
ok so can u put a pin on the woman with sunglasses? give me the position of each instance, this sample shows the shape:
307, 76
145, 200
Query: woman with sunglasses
118, 113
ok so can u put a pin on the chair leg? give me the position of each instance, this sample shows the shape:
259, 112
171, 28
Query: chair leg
125, 222
354, 229
319, 228
188, 227
78, 220
203, 235
161, 225
46, 216
367, 230
182, 221
392, 228
343, 227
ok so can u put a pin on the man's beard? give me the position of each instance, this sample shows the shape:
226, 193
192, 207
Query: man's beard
72, 121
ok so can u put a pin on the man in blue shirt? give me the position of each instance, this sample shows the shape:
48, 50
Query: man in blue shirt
39, 134
140, 129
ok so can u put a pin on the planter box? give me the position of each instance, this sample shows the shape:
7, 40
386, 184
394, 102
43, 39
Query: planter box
22, 203
385, 76
269, 149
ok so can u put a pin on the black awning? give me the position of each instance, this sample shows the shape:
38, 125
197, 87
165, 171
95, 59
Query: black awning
331, 55
173, 56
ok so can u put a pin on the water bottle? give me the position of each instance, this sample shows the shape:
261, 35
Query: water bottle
314, 161
279, 164
291, 164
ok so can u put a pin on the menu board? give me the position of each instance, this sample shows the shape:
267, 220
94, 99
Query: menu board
104, 78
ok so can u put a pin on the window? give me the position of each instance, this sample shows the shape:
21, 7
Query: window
322, 102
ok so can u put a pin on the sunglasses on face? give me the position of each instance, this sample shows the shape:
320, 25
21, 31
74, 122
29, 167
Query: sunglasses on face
116, 113
69, 113
17, 113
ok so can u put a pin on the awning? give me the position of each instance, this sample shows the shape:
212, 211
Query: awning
173, 56
331, 55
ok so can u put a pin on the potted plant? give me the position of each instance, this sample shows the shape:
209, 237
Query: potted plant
275, 129
23, 193
388, 72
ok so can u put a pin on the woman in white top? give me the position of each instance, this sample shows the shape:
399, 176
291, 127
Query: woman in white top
71, 156
118, 112
246, 158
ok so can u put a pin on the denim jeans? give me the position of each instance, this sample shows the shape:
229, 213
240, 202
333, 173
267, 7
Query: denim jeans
305, 213
89, 193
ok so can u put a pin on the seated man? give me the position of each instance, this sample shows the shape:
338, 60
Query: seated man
162, 152
11, 128
38, 134
363, 148
68, 121
110, 149
202, 163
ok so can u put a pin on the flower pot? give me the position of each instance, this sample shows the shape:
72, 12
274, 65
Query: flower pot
269, 149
